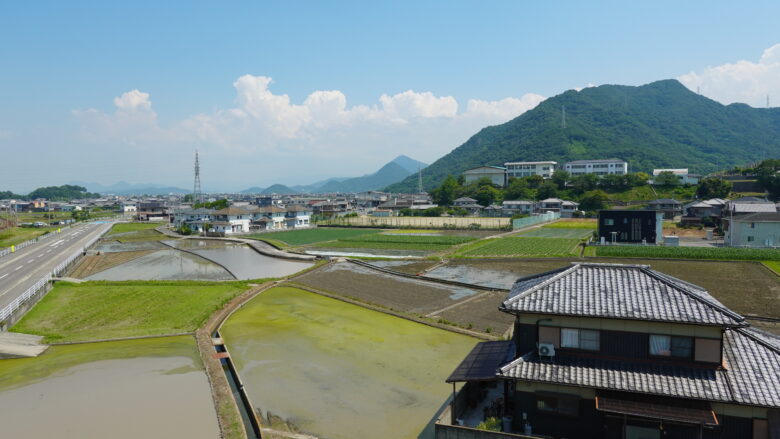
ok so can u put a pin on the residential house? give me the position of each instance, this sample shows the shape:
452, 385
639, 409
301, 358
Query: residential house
514, 207
670, 208
496, 174
527, 169
152, 210
682, 174
469, 204
267, 218
630, 226
759, 229
230, 220
564, 207
746, 205
597, 167
619, 351
197, 220
298, 216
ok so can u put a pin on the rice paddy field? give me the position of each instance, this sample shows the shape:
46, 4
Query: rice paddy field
523, 247
340, 371
312, 236
749, 288
557, 232
135, 232
716, 253
408, 241
574, 223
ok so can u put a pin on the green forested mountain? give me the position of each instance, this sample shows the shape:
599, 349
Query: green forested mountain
56, 193
661, 124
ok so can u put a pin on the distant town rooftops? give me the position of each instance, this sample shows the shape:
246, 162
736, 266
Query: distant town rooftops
582, 162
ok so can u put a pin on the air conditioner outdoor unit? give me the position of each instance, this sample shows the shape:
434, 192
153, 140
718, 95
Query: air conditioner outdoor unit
546, 350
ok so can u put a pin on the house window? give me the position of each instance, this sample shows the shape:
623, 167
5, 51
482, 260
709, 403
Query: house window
671, 346
752, 225
580, 339
609, 222
751, 238
558, 404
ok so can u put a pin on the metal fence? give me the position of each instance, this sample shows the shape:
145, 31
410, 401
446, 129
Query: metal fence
519, 223
43, 283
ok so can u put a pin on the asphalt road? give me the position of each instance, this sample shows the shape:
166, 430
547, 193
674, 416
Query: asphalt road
22, 269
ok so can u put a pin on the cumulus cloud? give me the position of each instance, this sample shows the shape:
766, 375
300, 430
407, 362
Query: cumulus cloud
320, 132
742, 81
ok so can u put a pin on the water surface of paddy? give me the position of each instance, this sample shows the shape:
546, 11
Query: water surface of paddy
165, 265
241, 260
340, 371
152, 388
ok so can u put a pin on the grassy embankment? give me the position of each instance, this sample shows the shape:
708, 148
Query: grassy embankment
773, 265
17, 235
134, 232
103, 310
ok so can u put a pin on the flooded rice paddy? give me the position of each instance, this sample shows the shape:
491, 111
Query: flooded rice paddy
152, 388
239, 259
340, 371
194, 259
165, 265
369, 253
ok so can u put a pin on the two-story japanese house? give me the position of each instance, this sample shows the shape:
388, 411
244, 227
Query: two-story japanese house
621, 351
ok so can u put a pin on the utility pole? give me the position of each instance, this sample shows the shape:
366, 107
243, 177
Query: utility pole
419, 180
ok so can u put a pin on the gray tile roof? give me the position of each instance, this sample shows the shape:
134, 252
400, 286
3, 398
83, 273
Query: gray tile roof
751, 376
618, 291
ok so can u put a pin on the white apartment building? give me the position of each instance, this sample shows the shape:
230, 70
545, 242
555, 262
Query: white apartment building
598, 167
527, 169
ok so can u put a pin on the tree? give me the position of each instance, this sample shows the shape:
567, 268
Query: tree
560, 178
534, 181
187, 198
486, 195
666, 178
517, 190
218, 204
713, 187
771, 183
583, 183
547, 189
593, 200
638, 179
445, 194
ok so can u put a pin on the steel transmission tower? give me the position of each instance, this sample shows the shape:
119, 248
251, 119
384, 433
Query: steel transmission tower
419, 180
563, 117
197, 197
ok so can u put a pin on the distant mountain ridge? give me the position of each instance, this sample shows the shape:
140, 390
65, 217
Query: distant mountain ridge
125, 188
394, 171
657, 125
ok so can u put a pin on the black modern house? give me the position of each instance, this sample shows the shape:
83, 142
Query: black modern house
630, 226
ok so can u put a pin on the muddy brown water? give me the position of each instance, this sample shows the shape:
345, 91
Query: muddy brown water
154, 388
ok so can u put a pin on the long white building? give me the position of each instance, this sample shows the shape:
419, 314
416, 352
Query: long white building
527, 169
598, 167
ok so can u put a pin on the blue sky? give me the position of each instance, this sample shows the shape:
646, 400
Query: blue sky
109, 91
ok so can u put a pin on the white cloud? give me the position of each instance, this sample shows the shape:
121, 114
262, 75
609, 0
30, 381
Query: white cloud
743, 81
323, 135
505, 109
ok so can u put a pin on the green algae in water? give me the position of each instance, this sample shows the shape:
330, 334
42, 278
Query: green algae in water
340, 371
59, 360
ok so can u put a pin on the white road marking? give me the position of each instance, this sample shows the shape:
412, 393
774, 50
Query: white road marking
17, 268
56, 243
3, 275
30, 261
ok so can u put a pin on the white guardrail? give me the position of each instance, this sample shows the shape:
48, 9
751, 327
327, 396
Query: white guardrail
43, 283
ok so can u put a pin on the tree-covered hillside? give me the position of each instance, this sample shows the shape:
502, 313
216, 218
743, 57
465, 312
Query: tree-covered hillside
658, 125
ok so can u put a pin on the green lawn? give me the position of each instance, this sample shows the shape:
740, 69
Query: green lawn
717, 253
574, 233
134, 232
312, 236
101, 310
524, 247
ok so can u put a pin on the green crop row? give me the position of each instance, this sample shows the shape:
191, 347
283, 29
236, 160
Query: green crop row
721, 253
524, 247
